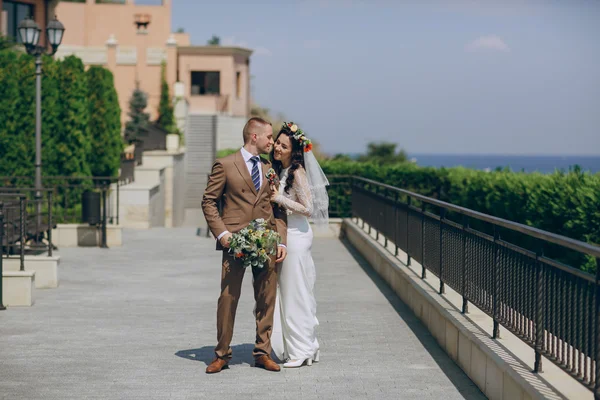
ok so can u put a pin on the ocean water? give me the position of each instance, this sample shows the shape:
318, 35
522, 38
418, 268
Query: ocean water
543, 164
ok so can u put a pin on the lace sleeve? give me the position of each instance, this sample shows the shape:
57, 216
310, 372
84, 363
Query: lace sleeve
304, 204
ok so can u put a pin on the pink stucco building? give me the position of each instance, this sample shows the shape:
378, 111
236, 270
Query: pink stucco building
132, 40
210, 84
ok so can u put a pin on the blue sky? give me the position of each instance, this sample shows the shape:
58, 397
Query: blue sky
453, 77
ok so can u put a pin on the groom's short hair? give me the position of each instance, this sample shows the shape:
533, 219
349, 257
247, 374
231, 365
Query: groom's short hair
251, 125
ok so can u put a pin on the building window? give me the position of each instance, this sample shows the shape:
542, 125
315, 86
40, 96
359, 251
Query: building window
238, 84
206, 82
14, 13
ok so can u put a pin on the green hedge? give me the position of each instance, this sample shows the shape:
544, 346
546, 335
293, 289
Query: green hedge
565, 203
80, 118
81, 129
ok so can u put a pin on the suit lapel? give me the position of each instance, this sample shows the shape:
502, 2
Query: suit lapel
243, 170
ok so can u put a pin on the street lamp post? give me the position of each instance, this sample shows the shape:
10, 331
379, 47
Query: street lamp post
29, 32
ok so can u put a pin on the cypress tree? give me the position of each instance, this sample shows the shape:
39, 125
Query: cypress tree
9, 101
138, 119
71, 138
166, 118
105, 123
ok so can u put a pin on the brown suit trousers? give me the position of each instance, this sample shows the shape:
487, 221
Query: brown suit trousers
231, 185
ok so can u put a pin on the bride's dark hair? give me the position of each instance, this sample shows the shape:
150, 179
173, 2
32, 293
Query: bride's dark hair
297, 158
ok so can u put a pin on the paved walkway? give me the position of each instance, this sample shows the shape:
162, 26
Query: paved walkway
138, 322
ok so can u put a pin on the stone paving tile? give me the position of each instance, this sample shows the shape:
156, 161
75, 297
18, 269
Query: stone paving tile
138, 322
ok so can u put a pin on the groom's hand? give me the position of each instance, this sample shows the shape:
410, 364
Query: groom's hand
225, 240
281, 253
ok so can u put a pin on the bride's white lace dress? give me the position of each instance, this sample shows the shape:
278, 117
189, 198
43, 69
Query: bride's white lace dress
295, 321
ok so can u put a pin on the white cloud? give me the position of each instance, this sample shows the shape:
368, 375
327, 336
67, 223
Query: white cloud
489, 42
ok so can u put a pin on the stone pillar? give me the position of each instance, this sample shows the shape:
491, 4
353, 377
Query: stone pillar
111, 54
171, 63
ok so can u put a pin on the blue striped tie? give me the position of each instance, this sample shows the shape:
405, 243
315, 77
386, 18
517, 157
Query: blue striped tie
255, 173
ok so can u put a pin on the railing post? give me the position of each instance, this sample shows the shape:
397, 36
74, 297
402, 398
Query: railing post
2, 307
465, 296
442, 217
408, 257
104, 245
22, 232
38, 217
597, 336
385, 238
423, 269
371, 222
496, 333
539, 314
396, 219
118, 201
50, 205
351, 185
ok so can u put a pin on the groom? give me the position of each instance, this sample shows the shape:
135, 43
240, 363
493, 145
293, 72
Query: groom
238, 183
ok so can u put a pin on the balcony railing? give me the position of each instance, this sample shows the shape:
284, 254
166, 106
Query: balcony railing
551, 306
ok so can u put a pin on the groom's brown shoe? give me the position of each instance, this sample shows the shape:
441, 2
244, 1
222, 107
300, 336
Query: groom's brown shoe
216, 366
267, 363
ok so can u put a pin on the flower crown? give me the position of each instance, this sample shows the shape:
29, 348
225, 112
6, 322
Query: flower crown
298, 134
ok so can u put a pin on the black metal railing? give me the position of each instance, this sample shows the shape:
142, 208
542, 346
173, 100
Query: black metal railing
12, 232
2, 306
68, 191
28, 221
340, 196
67, 194
551, 306
127, 168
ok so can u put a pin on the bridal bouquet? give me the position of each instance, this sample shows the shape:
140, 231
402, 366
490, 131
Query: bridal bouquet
254, 244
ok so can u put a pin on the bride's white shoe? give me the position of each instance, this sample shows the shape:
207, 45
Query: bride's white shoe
317, 355
298, 363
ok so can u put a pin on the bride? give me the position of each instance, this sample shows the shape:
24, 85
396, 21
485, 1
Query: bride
302, 192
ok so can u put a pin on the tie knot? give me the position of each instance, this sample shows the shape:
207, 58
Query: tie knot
255, 159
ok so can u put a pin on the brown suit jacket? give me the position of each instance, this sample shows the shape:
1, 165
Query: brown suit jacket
231, 185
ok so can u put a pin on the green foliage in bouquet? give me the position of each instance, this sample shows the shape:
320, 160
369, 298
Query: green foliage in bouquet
254, 244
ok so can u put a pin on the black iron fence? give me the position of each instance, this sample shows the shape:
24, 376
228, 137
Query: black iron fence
24, 226
128, 163
12, 226
340, 196
68, 192
73, 200
28, 221
551, 306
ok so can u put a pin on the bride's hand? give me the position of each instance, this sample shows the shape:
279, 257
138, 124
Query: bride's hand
274, 193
